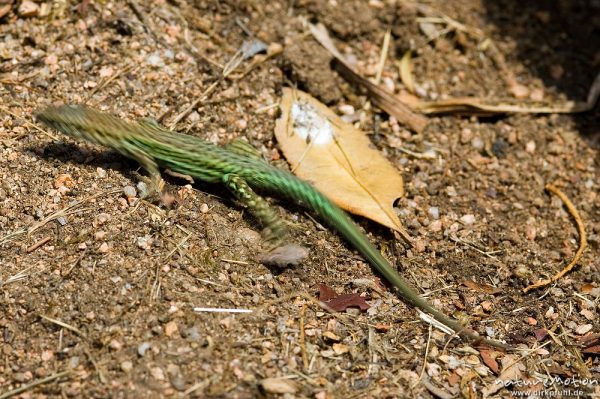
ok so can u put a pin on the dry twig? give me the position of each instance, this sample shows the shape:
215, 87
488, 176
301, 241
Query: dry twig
303, 338
34, 384
582, 240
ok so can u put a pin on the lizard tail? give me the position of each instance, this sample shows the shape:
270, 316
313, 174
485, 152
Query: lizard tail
287, 184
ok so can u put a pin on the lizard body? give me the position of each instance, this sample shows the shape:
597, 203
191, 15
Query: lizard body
154, 146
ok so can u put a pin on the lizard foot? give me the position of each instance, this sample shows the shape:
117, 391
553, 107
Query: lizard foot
284, 256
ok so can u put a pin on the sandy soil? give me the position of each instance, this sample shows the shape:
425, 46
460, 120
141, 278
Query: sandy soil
101, 287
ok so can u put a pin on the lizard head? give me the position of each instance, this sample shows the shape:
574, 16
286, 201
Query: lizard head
82, 122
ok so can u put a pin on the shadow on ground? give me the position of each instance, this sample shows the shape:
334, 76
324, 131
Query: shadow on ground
559, 42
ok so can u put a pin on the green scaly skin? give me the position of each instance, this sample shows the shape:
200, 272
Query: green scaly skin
153, 147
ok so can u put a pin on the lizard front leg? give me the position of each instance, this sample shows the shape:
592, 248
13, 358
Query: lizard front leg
275, 232
280, 254
154, 182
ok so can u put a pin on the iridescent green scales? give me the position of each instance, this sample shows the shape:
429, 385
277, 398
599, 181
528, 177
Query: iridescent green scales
241, 169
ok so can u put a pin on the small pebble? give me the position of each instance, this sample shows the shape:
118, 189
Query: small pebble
106, 72
191, 333
346, 109
104, 248
530, 232
115, 345
434, 212
28, 9
157, 373
204, 208
279, 385
101, 219
521, 271
47, 355
101, 172
194, 117
73, 362
537, 94
513, 137
389, 84
241, 124
175, 377
129, 191
420, 246
143, 347
530, 147
435, 226
144, 242
155, 60
519, 91
466, 135
126, 366
171, 328
20, 377
583, 329
451, 191
477, 143
468, 219
499, 148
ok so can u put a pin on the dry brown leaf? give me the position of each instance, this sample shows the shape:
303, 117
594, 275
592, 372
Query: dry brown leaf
338, 159
488, 289
340, 303
326, 293
512, 370
489, 359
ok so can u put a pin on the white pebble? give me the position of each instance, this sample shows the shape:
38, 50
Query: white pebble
143, 347
129, 191
530, 147
144, 242
477, 143
346, 109
155, 60
468, 219
434, 212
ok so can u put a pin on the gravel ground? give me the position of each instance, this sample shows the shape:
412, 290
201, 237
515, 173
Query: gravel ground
98, 288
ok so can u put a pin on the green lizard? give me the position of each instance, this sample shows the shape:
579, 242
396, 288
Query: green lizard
153, 146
